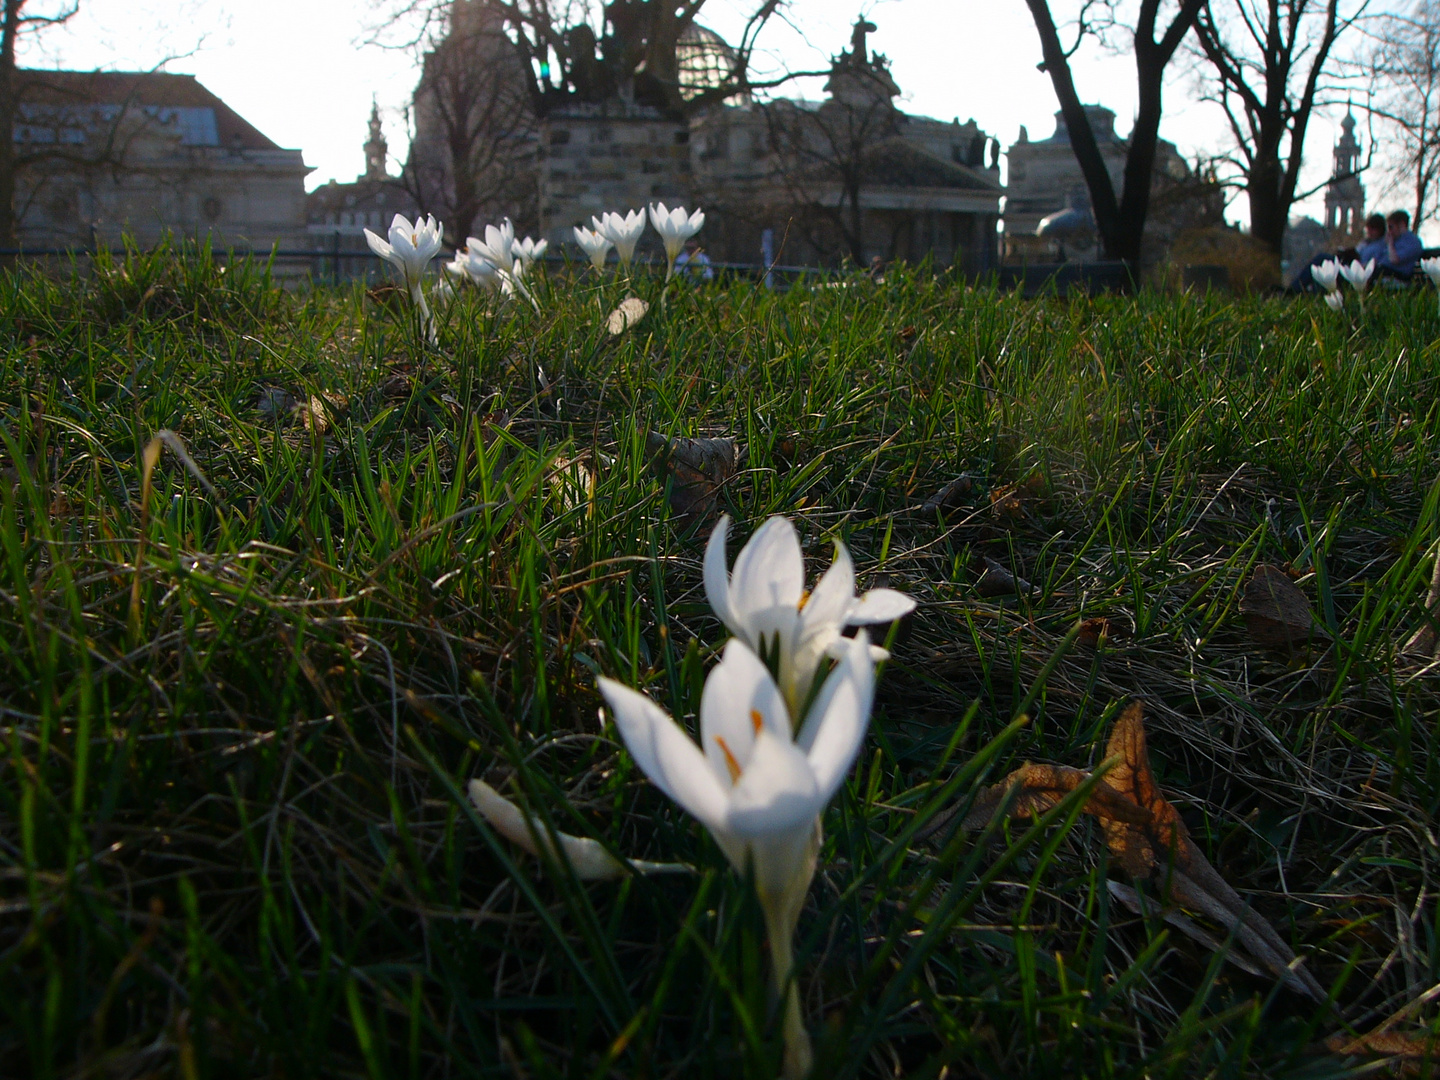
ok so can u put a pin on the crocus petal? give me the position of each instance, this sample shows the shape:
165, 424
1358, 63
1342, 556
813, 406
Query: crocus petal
769, 572
834, 595
588, 857
378, 246
739, 701
777, 793
835, 726
880, 606
400, 241
666, 754
717, 575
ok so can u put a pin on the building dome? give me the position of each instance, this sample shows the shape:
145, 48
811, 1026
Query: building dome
704, 61
1066, 224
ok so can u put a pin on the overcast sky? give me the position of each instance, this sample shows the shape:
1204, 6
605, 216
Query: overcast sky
299, 69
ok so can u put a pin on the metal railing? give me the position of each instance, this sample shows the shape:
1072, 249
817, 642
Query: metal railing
336, 264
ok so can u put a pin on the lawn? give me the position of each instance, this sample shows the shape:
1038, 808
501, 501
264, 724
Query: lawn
242, 693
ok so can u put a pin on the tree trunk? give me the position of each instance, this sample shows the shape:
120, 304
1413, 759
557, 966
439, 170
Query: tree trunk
1268, 207
8, 90
1120, 223
1140, 161
856, 239
1082, 139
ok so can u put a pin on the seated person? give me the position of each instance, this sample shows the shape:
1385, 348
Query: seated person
1399, 249
1372, 248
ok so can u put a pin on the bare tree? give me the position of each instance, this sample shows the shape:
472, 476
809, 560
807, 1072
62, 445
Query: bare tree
1120, 220
1404, 66
826, 156
1271, 58
17, 18
472, 149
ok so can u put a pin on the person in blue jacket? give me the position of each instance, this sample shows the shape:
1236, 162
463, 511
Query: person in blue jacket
1398, 250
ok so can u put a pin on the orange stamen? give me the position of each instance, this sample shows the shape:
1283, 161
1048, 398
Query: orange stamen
756, 720
730, 762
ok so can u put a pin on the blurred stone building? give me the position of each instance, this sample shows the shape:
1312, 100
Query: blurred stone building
799, 182
105, 154
851, 176
1048, 215
337, 215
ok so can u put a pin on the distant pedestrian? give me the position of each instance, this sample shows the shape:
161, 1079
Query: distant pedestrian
694, 264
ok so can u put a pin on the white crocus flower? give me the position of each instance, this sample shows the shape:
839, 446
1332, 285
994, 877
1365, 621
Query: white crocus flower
674, 228
1358, 274
410, 248
1335, 299
624, 232
588, 858
757, 787
528, 250
1431, 267
498, 245
764, 603
595, 244
1327, 275
468, 265
498, 248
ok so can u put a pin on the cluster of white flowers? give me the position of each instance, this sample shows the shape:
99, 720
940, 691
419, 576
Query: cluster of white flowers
500, 261
782, 718
623, 233
1328, 274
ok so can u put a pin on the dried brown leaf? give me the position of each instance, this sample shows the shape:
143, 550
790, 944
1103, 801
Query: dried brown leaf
1040, 787
996, 580
1005, 502
949, 497
1161, 849
1148, 906
1093, 632
1423, 642
1147, 838
1412, 1051
696, 470
631, 310
1277, 615
323, 410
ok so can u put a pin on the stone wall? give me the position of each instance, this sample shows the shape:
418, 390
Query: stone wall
614, 156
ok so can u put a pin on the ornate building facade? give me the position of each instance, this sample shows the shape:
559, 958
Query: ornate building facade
849, 177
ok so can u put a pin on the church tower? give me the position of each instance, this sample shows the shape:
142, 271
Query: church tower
377, 151
1344, 195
